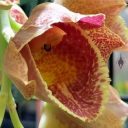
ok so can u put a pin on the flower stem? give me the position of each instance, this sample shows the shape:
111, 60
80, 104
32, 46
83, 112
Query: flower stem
13, 113
4, 80
5, 87
6, 98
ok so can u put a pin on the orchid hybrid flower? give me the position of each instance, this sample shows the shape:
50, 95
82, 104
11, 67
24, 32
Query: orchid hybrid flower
61, 57
11, 19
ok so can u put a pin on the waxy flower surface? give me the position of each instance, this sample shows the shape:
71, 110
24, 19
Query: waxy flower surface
60, 57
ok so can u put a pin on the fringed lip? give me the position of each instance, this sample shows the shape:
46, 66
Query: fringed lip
22, 68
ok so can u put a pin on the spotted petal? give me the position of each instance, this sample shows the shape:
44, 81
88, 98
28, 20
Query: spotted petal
17, 17
60, 62
120, 28
105, 40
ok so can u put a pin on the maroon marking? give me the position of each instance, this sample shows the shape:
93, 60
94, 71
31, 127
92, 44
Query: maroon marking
87, 96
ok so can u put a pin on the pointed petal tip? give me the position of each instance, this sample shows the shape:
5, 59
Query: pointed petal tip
91, 22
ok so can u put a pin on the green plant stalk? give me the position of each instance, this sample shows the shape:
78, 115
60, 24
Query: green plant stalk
6, 98
13, 113
5, 87
3, 45
4, 79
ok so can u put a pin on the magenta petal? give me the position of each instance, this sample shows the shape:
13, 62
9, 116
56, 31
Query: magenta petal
91, 22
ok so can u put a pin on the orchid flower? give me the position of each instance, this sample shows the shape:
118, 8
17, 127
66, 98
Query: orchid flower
60, 57
9, 25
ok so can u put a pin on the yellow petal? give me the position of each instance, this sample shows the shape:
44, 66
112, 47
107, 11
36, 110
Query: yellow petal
106, 120
108, 7
55, 118
119, 27
119, 107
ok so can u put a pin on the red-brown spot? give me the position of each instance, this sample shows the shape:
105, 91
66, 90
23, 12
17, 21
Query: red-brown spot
83, 96
105, 40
